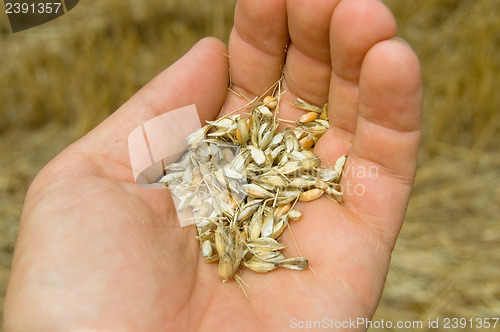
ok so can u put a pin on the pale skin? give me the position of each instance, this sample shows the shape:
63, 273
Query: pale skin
97, 252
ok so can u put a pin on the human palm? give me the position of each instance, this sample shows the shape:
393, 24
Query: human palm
97, 251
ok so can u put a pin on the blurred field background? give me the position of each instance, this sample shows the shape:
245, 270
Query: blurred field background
61, 79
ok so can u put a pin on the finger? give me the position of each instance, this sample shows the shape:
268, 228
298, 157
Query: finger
381, 166
257, 48
308, 67
308, 64
356, 26
199, 77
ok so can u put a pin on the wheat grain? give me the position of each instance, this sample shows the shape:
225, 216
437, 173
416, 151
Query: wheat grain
241, 178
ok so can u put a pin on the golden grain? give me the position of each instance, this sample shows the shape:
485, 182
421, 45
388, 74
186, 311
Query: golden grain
270, 102
311, 195
282, 209
308, 117
306, 142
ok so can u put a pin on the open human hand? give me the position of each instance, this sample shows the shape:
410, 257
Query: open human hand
95, 251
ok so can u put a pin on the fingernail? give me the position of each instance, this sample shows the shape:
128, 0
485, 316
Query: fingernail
401, 40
